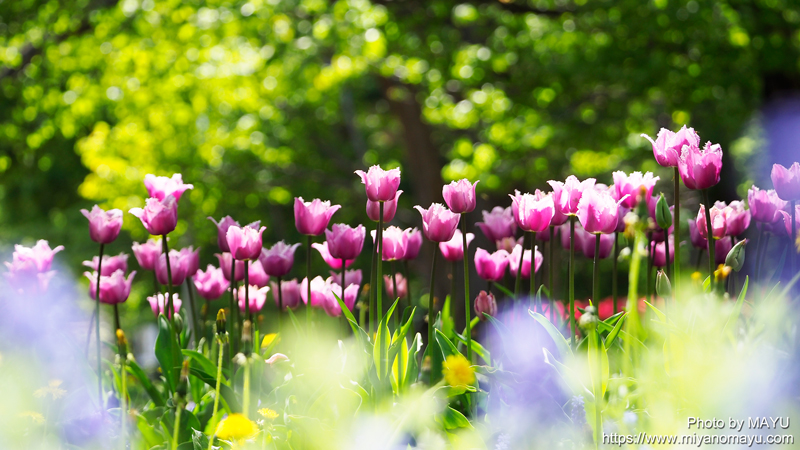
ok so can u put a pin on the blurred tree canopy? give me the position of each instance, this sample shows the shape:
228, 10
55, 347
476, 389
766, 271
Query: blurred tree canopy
258, 101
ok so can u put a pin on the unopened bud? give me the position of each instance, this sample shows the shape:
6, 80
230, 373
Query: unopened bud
589, 318
221, 323
485, 304
247, 338
735, 258
663, 214
663, 286
122, 343
177, 322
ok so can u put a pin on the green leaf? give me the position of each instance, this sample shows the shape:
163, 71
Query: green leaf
136, 371
412, 372
201, 359
561, 343
502, 330
224, 390
612, 336
452, 419
380, 350
166, 349
779, 269
596, 350
789, 285
737, 308
297, 327
661, 315
448, 325
445, 345
504, 290
399, 345
570, 378
361, 336
477, 348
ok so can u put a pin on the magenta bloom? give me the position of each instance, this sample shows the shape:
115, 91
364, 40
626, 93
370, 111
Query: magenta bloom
567, 195
163, 187
190, 258
721, 248
158, 303
332, 306
278, 259
389, 209
395, 241
257, 275
256, 297
290, 291
460, 196
146, 254
159, 217
245, 242
658, 249
694, 235
700, 169
565, 237
633, 186
334, 263
667, 146
225, 264
402, 285
381, 185
177, 268
586, 241
311, 218
210, 284
498, 224
491, 267
787, 220
598, 212
104, 226
737, 218
764, 205
787, 181
719, 227
513, 261
351, 277
344, 241
111, 264
438, 222
485, 304
113, 288
453, 250
222, 231
533, 212
413, 244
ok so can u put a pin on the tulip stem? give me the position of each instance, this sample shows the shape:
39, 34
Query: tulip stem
408, 282
534, 296
431, 315
550, 271
168, 303
596, 272
371, 301
219, 378
310, 239
124, 401
396, 295
467, 308
518, 281
195, 315
709, 239
177, 427
379, 275
247, 315
234, 311
571, 271
97, 331
280, 304
116, 317
666, 254
648, 276
614, 271
246, 388
676, 271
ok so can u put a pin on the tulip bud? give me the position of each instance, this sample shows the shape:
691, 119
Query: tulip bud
485, 304
183, 385
177, 322
663, 214
122, 343
247, 339
735, 258
589, 318
663, 286
222, 333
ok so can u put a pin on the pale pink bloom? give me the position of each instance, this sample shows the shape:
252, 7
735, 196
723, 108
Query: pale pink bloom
245, 242
719, 226
114, 288
162, 187
737, 218
402, 285
159, 217
277, 357
438, 222
158, 303
147, 253
533, 212
210, 284
491, 266
278, 260
40, 256
667, 146
311, 218
104, 226
225, 261
190, 259
658, 250
334, 263
381, 185
598, 211
786, 181
498, 224
290, 290
513, 261
344, 241
636, 187
389, 209
257, 275
413, 244
111, 264
256, 297
460, 196
567, 195
177, 268
395, 241
485, 304
700, 169
453, 250
764, 204
351, 277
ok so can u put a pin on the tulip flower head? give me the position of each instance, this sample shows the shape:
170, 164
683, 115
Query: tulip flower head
190, 258
256, 274
162, 187
334, 263
667, 146
256, 297
737, 218
498, 224
764, 205
586, 241
104, 226
114, 288
485, 304
513, 261
351, 277
211, 283
402, 285
111, 264
413, 243
598, 211
278, 259
389, 209
786, 181
633, 188
222, 231
245, 242
344, 241
659, 252
290, 293
332, 306
381, 185
225, 260
395, 241
40, 256
311, 218
438, 223
700, 169
491, 266
697, 240
158, 303
533, 212
567, 195
719, 226
177, 268
460, 196
453, 250
787, 220
159, 217
147, 253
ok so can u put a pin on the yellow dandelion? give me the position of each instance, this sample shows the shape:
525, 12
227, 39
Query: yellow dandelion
269, 339
34, 416
236, 427
268, 413
457, 371
53, 389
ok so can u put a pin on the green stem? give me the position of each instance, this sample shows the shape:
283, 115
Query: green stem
169, 307
234, 310
467, 308
614, 275
195, 315
247, 291
124, 408
219, 378
177, 427
598, 393
97, 331
666, 254
596, 272
280, 304
534, 294
246, 393
573, 326
431, 313
648, 277
379, 275
116, 317
676, 272
309, 239
372, 283
518, 281
550, 271
710, 239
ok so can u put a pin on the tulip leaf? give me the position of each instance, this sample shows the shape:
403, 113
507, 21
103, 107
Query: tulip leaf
167, 352
448, 325
558, 338
224, 390
598, 351
445, 345
380, 350
135, 370
399, 366
297, 327
452, 419
569, 377
361, 336
737, 308
504, 290
479, 349
412, 372
779, 268
398, 338
612, 336
789, 285
661, 316
201, 359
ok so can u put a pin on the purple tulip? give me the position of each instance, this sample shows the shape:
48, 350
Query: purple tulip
222, 231
764, 205
395, 241
438, 223
491, 266
563, 231
104, 226
485, 304
667, 146
498, 224
278, 259
719, 226
163, 187
344, 241
453, 250
146, 254
225, 265
533, 212
513, 261
413, 244
389, 209
158, 303
351, 277
460, 196
257, 275
245, 242
658, 251
787, 220
598, 211
114, 288
567, 195
700, 169
111, 264
190, 258
334, 263
586, 241
256, 297
177, 268
633, 186
210, 284
381, 185
722, 247
402, 285
311, 218
694, 235
290, 293
621, 213
787, 181
737, 218
159, 217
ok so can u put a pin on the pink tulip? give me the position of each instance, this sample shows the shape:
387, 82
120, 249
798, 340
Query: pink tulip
114, 288
38, 258
146, 254
111, 264
395, 241
177, 268
533, 212
508, 243
334, 263
104, 226
210, 284
598, 211
700, 169
787, 220
163, 187
319, 288
513, 261
667, 146
222, 231
277, 357
787, 181
311, 218
278, 259
485, 304
621, 213
737, 218
257, 275
764, 205
658, 251
460, 196
491, 266
245, 242
402, 286
636, 187
718, 224
290, 290
567, 195
389, 209
498, 224
413, 244
256, 297
694, 236
721, 248
159, 217
351, 277
381, 185
225, 265
344, 241
563, 231
453, 250
158, 303
332, 306
190, 258
586, 241
438, 223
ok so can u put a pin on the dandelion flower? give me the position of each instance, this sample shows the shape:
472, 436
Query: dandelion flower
268, 413
53, 389
235, 427
457, 371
